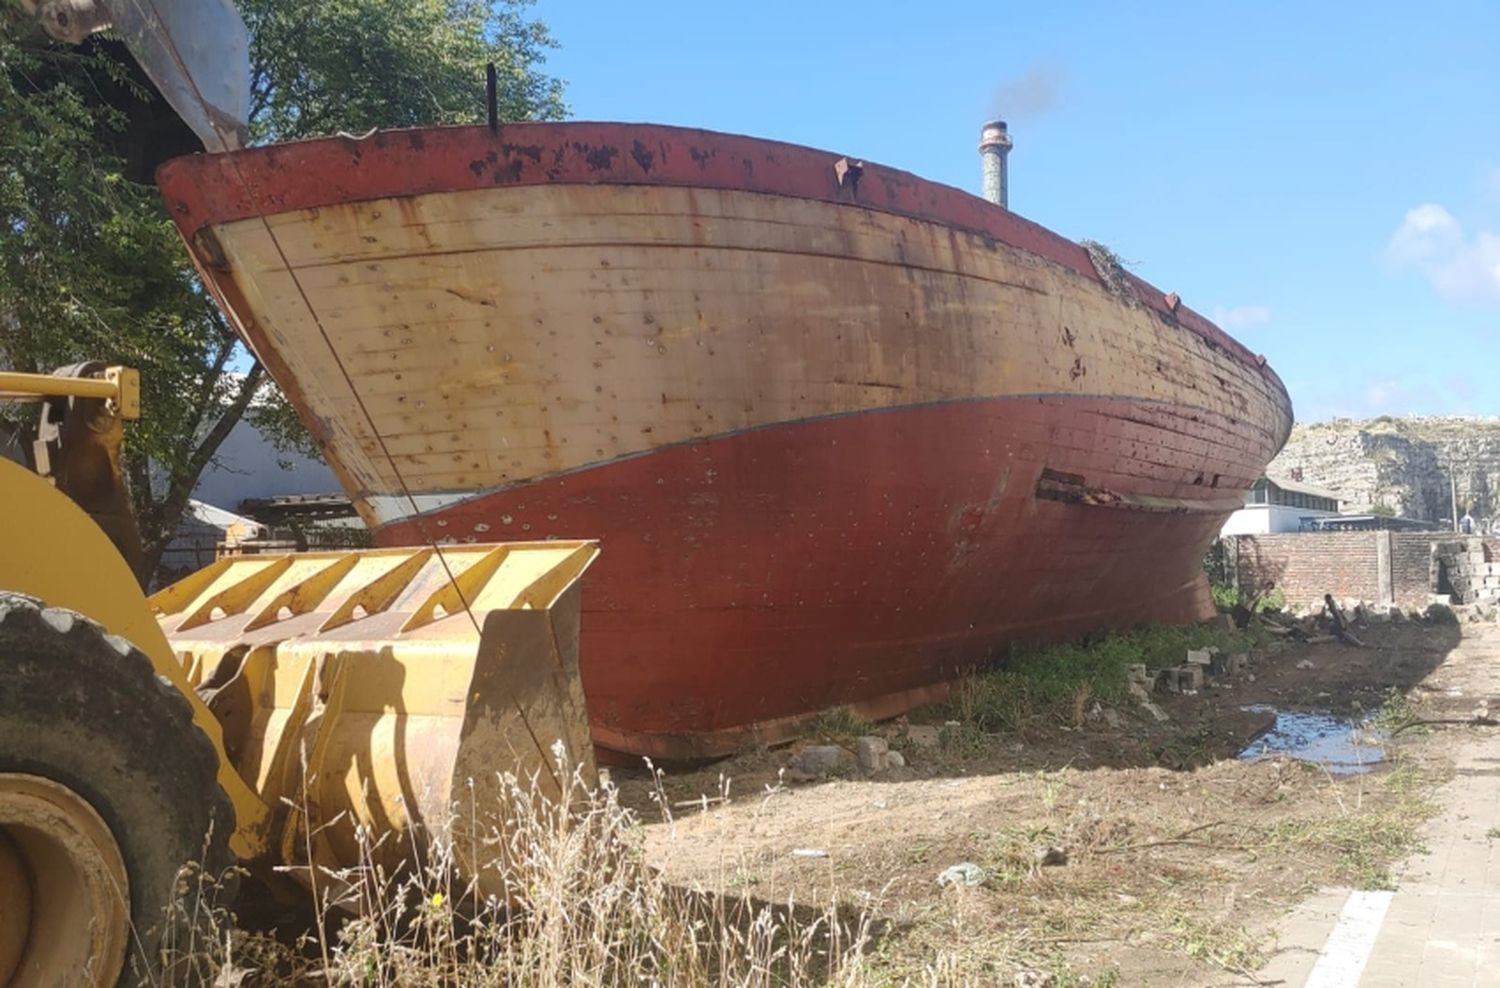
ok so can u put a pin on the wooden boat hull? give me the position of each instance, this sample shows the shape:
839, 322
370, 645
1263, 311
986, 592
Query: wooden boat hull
841, 433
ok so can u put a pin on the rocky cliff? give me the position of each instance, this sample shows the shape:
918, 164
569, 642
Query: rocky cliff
1401, 463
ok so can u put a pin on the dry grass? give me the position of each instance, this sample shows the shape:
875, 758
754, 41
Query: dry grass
577, 905
580, 906
1187, 880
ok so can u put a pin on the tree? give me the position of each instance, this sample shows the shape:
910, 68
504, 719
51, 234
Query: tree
91, 267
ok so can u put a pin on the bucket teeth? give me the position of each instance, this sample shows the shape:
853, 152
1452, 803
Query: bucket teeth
375, 688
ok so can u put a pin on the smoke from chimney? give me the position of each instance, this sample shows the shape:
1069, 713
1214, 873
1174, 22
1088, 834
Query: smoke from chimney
994, 151
1030, 94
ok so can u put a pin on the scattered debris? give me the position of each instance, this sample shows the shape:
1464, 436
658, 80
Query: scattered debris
809, 852
1305, 664
894, 759
1340, 621
1050, 855
1138, 692
966, 873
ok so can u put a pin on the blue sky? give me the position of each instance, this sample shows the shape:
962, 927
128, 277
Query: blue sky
1322, 179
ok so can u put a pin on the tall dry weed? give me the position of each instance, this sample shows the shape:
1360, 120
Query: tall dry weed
574, 903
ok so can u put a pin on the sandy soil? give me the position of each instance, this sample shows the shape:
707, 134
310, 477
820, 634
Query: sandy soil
1179, 855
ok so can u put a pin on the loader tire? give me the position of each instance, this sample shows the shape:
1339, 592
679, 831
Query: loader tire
102, 773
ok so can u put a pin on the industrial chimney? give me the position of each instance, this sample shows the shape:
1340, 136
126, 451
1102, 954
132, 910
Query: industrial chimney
994, 148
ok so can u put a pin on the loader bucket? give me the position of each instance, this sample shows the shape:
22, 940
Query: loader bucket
384, 689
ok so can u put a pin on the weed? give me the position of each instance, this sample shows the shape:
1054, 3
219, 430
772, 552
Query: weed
1441, 614
1227, 598
1363, 842
567, 899
1230, 947
1058, 680
1395, 710
1183, 751
841, 725
1492, 833
963, 738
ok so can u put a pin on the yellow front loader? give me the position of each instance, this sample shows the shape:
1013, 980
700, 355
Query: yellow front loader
264, 711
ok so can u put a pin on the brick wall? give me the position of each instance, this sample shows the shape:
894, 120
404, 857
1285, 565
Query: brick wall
1306, 565
1379, 567
1411, 567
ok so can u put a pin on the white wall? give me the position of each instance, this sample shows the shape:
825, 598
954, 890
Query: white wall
247, 466
1269, 519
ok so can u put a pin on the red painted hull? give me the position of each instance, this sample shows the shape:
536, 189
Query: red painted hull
842, 432
752, 579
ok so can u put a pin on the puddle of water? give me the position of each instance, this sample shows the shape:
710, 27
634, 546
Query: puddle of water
1342, 745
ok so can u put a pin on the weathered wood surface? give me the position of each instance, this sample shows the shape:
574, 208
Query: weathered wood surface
836, 447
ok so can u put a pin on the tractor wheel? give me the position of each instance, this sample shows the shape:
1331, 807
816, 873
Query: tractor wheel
107, 791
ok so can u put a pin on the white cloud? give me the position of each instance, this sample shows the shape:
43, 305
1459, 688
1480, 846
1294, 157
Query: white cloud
1461, 268
1241, 317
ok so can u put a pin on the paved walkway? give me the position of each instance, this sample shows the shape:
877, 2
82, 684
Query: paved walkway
1441, 927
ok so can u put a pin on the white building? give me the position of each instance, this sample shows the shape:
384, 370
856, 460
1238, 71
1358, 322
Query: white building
249, 466
203, 530
1274, 506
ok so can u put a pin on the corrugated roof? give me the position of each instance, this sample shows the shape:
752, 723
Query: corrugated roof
1297, 487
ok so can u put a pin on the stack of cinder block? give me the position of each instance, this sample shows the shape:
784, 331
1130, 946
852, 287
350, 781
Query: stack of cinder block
1203, 665
1469, 572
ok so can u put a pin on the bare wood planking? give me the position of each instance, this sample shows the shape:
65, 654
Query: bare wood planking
677, 314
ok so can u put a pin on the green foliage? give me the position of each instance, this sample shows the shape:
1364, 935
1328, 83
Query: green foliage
1441, 614
91, 268
1056, 680
352, 65
1216, 565
1227, 598
1365, 842
1395, 710
1383, 511
842, 725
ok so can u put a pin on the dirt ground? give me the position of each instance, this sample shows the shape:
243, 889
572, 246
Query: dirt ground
1113, 849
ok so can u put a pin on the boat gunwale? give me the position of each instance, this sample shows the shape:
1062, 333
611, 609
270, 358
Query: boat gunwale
206, 190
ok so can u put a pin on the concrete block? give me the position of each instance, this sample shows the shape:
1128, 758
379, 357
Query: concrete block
1239, 662
870, 752
1137, 673
820, 759
1144, 699
1189, 678
1200, 656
